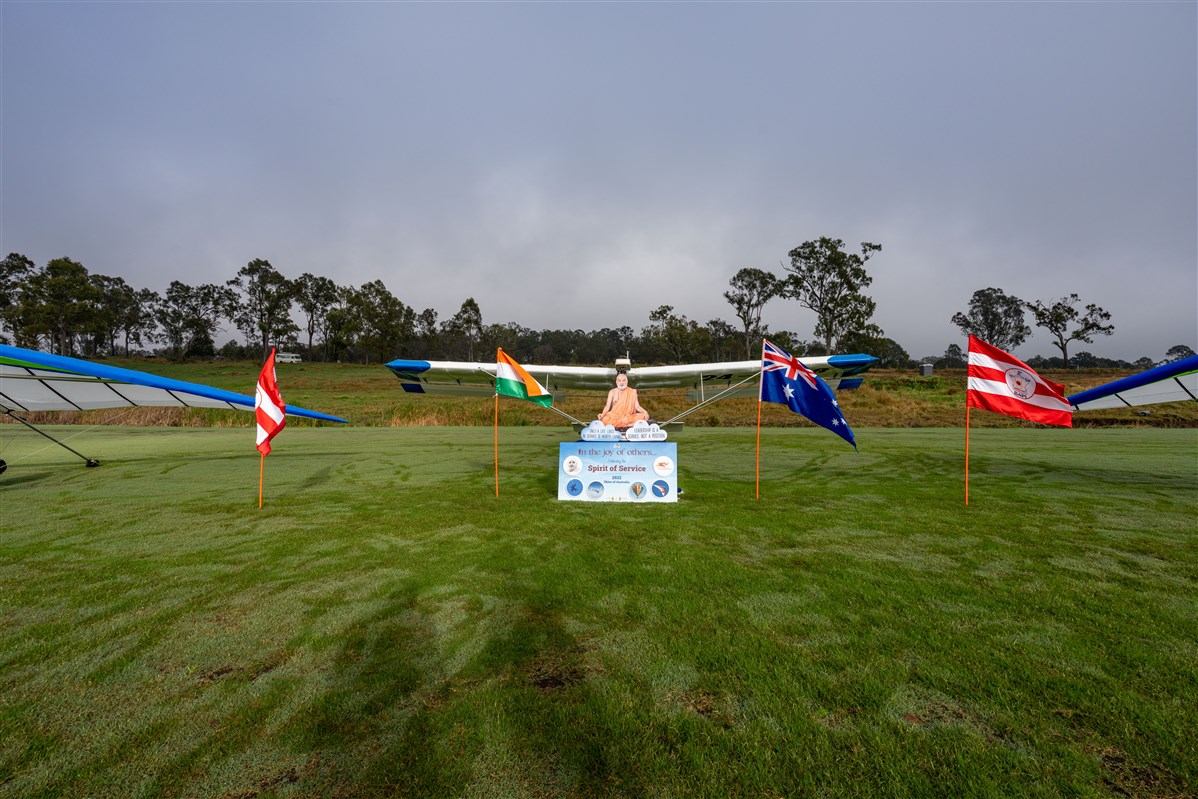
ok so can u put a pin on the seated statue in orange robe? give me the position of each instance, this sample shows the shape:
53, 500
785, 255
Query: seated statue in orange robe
623, 408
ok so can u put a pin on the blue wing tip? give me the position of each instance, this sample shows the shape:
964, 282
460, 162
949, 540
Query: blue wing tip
401, 365
852, 364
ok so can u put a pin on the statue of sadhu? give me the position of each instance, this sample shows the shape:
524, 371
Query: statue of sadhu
623, 408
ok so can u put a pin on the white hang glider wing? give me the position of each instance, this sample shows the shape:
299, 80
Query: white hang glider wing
463, 378
704, 383
37, 381
1170, 382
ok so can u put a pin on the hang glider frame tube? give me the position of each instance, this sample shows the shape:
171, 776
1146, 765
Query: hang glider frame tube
472, 392
716, 398
89, 462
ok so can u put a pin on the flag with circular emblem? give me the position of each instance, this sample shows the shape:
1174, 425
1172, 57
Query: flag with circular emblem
1000, 382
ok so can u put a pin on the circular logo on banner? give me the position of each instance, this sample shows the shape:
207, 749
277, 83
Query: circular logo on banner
572, 465
1021, 382
663, 465
595, 490
637, 490
661, 489
574, 488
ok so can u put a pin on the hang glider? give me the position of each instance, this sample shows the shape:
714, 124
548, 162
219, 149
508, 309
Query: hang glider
1170, 382
37, 381
464, 378
703, 382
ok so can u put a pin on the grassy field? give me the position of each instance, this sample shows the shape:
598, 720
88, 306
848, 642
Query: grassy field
386, 626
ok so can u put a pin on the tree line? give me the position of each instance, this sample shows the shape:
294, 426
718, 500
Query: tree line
63, 308
1001, 319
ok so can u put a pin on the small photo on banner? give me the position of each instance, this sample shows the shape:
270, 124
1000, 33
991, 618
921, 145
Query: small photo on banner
618, 471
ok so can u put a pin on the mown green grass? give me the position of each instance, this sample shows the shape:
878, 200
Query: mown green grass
386, 626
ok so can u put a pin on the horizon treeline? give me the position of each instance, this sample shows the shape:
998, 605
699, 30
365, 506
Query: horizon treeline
65, 309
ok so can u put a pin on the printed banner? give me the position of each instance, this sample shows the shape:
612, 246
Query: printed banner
618, 471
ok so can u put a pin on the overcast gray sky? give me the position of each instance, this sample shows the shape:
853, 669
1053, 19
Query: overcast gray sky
579, 164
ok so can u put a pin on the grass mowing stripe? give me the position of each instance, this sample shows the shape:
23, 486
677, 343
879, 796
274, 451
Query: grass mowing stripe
386, 626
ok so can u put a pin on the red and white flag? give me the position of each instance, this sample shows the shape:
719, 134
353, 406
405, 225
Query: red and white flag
268, 406
1000, 382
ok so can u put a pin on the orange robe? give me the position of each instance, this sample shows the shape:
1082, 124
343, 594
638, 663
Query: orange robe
623, 411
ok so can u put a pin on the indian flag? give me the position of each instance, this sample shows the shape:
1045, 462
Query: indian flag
512, 381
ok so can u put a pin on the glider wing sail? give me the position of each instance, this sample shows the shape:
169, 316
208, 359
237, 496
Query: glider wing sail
37, 381
464, 378
839, 371
1171, 382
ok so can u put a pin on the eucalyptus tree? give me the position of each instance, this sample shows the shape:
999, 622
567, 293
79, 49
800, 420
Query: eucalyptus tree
515, 339
263, 310
342, 324
794, 343
890, 354
59, 304
673, 335
556, 346
870, 340
15, 270
1178, 352
426, 333
590, 347
723, 340
616, 342
465, 328
751, 289
996, 318
953, 358
190, 315
316, 296
386, 323
1067, 323
828, 281
135, 321
114, 297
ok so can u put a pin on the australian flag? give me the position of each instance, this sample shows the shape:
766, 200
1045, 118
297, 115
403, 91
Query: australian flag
786, 381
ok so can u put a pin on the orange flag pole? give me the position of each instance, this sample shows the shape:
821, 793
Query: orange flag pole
967, 455
261, 470
496, 445
758, 456
760, 384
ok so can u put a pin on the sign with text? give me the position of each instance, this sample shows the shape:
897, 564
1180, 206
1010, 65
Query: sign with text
618, 471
